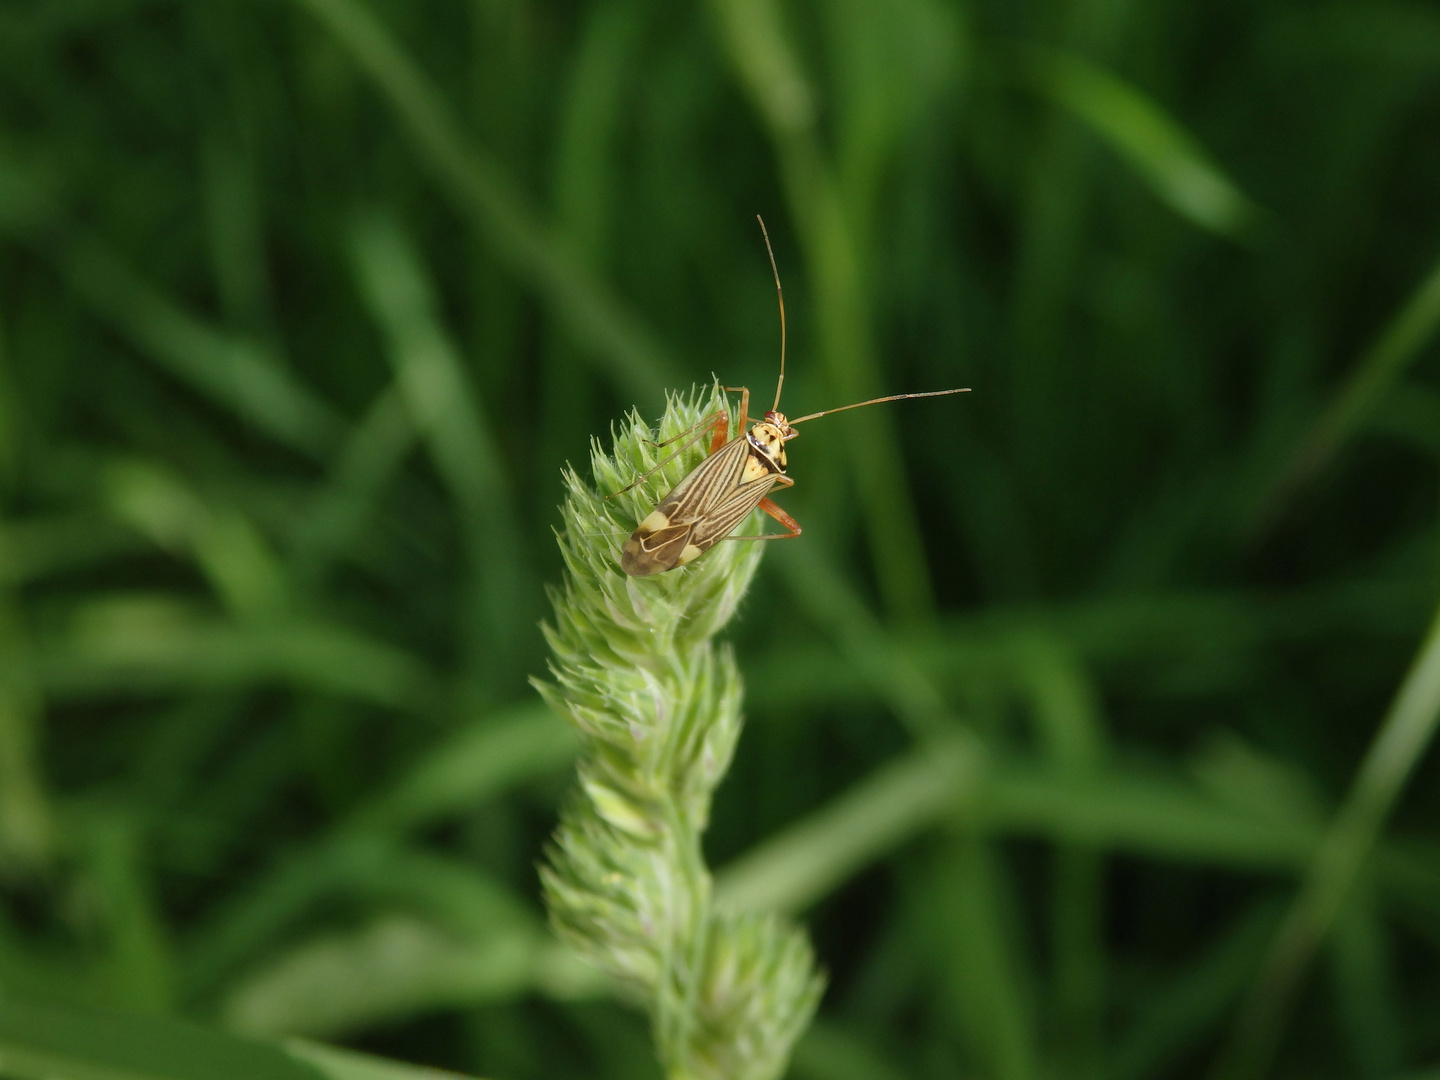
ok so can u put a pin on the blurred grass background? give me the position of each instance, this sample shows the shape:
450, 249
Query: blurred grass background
1056, 713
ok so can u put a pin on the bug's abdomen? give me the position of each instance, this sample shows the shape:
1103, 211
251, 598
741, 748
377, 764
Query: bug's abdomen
656, 546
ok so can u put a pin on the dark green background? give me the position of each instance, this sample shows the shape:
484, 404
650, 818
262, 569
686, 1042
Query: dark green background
303, 305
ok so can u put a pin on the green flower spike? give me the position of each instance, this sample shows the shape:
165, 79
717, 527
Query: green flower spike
657, 703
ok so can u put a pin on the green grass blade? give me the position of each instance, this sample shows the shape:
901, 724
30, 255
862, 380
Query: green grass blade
236, 231
808, 860
239, 374
27, 828
394, 968
37, 547
337, 1064
1363, 975
1071, 734
9, 418
600, 324
432, 379
837, 252
1349, 843
139, 966
885, 664
477, 762
1181, 1014
442, 400
983, 979
1376, 376
242, 569
1143, 814
1161, 151
830, 1051
38, 1043
141, 644
1413, 414
1160, 643
370, 458
1067, 716
245, 923
754, 33
587, 182
587, 170
1110, 810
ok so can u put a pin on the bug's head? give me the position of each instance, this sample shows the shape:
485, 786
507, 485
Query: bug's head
769, 437
779, 423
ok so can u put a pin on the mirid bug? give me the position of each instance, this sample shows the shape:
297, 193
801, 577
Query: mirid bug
733, 480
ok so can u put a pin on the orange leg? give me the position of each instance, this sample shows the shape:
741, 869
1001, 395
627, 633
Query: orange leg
718, 423
719, 420
744, 392
783, 518
721, 433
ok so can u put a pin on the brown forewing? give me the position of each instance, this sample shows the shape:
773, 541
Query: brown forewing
703, 508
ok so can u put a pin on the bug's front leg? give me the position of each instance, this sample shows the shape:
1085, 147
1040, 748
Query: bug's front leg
719, 422
721, 433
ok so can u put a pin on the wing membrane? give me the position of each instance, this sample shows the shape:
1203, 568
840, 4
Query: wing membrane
700, 510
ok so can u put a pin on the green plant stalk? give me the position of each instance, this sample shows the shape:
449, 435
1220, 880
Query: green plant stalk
657, 704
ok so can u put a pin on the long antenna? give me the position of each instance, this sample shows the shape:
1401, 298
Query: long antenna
781, 294
877, 401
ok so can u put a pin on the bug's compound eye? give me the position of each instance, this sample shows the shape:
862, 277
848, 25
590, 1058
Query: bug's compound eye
780, 424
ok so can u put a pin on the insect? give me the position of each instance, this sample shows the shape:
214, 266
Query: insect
733, 480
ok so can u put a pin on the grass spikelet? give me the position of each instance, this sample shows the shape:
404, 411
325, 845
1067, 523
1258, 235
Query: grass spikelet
636, 670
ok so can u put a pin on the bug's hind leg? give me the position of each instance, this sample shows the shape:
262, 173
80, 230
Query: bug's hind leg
719, 420
792, 526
